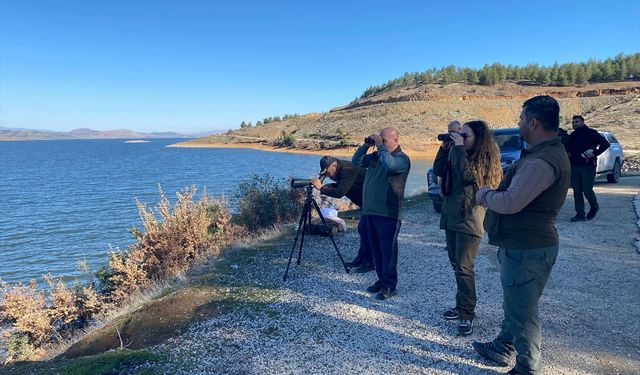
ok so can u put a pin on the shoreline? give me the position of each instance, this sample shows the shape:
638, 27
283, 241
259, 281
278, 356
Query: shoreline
411, 152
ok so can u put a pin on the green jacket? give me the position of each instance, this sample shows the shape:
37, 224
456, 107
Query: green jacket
460, 213
384, 183
348, 182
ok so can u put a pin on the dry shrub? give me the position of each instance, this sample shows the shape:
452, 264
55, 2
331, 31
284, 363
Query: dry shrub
263, 203
40, 323
63, 310
25, 307
70, 309
125, 274
172, 239
89, 303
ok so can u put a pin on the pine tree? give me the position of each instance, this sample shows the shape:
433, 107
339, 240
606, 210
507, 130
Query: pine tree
608, 73
544, 76
581, 75
622, 71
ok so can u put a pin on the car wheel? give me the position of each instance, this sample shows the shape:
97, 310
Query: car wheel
615, 176
437, 206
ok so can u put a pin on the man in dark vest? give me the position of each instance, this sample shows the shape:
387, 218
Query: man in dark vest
382, 196
584, 146
521, 221
348, 179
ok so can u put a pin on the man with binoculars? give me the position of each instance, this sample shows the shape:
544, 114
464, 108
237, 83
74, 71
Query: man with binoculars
382, 196
348, 182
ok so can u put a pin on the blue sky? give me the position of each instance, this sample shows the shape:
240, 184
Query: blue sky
201, 65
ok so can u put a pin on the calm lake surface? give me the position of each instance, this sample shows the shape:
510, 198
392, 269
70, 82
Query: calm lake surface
69, 200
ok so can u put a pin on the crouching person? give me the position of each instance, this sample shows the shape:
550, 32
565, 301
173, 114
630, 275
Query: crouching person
348, 179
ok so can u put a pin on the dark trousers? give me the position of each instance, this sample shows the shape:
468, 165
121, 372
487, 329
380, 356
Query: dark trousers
462, 249
582, 179
364, 252
382, 233
523, 274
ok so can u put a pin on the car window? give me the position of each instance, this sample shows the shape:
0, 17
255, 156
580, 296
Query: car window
608, 137
507, 142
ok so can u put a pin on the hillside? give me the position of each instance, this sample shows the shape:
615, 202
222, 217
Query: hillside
420, 112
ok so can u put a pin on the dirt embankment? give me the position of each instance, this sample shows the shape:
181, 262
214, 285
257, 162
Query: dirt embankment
506, 91
420, 113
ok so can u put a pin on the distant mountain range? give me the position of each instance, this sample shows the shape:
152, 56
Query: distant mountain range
85, 133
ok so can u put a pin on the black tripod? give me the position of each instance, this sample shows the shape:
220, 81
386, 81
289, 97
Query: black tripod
305, 221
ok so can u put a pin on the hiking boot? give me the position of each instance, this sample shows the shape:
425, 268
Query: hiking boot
386, 293
592, 213
579, 217
451, 314
366, 267
465, 327
354, 263
375, 288
488, 351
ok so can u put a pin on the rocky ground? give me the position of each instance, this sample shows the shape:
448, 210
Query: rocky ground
321, 321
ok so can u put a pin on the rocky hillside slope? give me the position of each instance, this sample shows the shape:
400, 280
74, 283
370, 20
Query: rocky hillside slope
421, 112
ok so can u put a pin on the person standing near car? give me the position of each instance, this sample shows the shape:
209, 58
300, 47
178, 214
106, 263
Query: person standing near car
382, 196
584, 146
469, 159
520, 220
348, 179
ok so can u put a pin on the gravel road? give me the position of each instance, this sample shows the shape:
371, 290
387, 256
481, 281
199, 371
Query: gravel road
322, 322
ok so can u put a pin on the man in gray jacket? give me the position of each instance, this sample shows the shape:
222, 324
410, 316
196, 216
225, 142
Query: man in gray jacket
383, 193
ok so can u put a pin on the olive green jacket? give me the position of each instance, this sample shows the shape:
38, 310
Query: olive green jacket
460, 213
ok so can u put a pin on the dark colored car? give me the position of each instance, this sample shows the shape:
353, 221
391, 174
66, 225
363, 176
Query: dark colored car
510, 144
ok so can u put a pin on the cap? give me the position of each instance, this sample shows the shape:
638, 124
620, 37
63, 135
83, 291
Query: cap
325, 162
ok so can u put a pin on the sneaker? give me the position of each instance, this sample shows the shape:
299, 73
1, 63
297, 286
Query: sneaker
386, 293
451, 314
488, 351
375, 288
365, 268
579, 217
465, 327
592, 213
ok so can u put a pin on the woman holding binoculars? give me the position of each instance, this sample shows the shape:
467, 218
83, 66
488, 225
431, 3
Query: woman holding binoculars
468, 160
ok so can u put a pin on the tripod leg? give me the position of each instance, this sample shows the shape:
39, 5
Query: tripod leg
324, 222
306, 226
295, 240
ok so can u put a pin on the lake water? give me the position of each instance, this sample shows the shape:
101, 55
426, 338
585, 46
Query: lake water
69, 200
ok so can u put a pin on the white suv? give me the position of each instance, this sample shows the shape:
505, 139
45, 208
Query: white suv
611, 160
